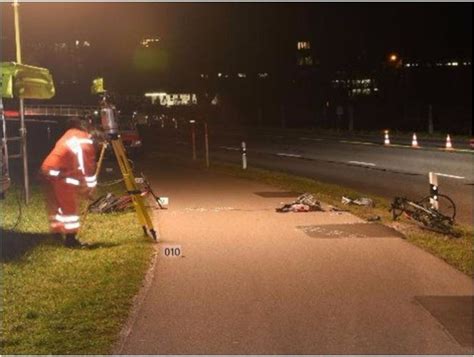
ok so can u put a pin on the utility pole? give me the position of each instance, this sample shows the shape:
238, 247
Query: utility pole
22, 106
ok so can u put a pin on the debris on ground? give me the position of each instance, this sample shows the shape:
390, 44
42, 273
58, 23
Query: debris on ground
304, 203
111, 203
337, 209
360, 201
374, 219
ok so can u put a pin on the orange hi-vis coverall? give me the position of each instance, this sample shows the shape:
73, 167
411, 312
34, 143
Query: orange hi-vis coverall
68, 169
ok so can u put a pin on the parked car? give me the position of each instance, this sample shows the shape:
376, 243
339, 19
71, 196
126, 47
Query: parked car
130, 137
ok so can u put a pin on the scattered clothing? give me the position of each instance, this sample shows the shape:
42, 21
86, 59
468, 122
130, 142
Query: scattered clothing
304, 203
111, 203
361, 201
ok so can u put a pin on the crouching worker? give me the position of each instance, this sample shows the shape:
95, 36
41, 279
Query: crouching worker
69, 172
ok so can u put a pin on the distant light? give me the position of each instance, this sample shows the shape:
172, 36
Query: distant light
96, 112
303, 45
393, 57
147, 41
241, 75
408, 65
219, 75
155, 94
192, 121
263, 75
455, 64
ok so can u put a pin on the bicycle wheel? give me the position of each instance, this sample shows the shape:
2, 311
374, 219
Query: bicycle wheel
443, 226
446, 205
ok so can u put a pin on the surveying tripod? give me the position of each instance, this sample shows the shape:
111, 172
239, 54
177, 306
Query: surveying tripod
110, 127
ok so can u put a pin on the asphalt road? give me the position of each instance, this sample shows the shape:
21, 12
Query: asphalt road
368, 167
249, 280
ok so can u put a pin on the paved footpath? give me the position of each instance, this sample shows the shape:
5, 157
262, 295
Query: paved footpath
251, 282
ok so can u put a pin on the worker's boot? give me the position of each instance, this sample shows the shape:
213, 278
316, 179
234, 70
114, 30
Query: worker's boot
71, 241
57, 236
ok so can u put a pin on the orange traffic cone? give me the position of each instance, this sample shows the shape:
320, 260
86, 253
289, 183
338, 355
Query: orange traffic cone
414, 141
449, 145
386, 140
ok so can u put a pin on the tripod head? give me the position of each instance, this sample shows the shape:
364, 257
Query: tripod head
107, 109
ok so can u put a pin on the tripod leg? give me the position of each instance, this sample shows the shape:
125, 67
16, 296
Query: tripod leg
130, 184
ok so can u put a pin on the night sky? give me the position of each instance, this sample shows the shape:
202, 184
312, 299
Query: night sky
221, 33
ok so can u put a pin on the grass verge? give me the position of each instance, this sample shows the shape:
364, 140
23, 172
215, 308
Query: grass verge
67, 301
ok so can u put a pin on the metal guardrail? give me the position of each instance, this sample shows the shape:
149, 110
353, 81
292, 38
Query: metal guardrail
59, 110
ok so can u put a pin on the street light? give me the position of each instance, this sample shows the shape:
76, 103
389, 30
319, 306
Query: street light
393, 57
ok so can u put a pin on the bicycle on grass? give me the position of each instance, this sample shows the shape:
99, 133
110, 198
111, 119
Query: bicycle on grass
440, 220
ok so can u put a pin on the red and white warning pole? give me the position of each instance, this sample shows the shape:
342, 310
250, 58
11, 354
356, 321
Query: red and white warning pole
193, 138
206, 144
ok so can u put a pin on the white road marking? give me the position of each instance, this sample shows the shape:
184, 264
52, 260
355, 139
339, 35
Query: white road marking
362, 163
312, 139
451, 176
230, 148
287, 155
356, 142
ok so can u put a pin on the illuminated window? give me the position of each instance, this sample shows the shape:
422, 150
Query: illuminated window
147, 42
303, 45
241, 75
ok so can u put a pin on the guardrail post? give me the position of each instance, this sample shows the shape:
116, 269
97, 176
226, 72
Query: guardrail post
244, 155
